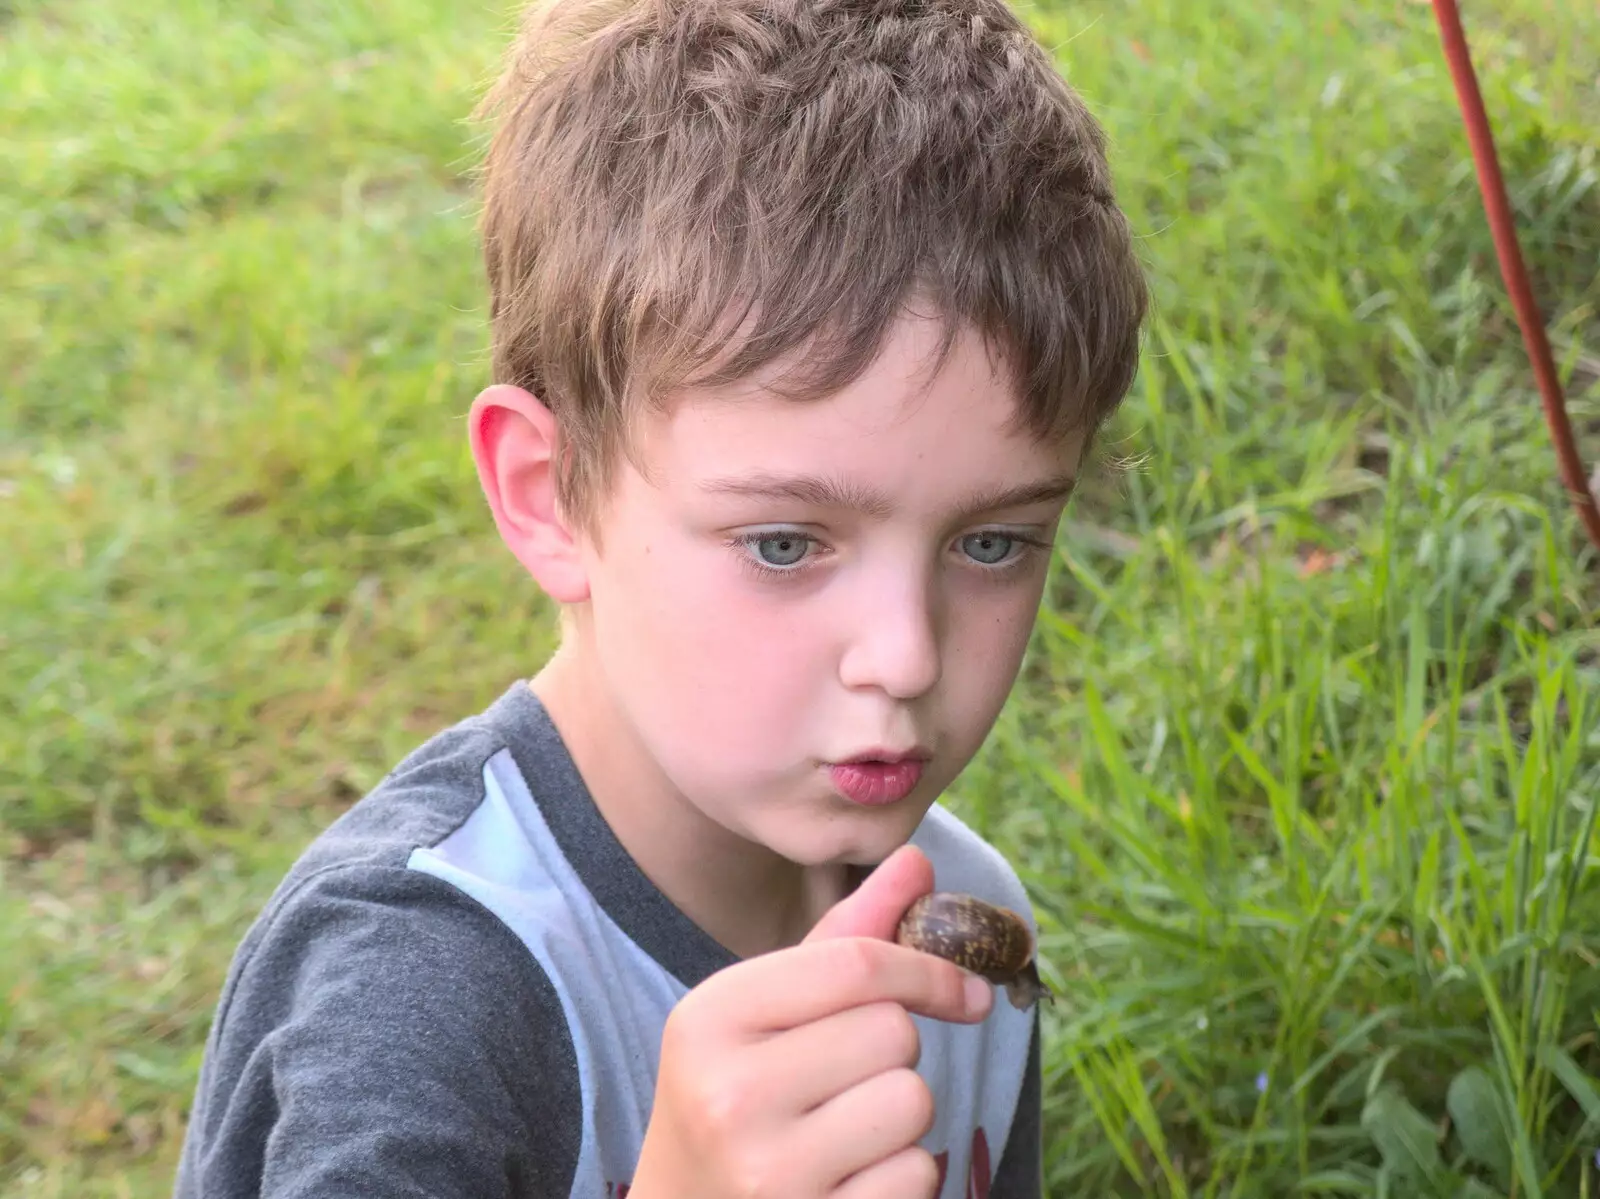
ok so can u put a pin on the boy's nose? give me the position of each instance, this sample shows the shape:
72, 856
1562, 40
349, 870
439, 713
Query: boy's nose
893, 642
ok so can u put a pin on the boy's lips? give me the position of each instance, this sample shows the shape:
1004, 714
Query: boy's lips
879, 776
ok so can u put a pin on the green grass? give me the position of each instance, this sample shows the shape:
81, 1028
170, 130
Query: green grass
1302, 769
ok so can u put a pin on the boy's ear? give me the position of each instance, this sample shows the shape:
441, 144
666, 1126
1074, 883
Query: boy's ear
514, 445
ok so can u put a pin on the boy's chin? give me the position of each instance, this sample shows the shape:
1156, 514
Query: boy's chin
864, 841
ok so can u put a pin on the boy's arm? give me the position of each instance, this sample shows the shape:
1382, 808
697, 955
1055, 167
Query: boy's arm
384, 1037
1020, 1174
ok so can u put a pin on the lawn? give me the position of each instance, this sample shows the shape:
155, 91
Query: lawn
1302, 769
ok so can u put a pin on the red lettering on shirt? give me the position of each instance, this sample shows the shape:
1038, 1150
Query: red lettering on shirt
978, 1177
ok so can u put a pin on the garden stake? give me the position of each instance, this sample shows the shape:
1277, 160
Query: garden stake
1512, 270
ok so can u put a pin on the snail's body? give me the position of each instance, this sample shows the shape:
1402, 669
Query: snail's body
990, 941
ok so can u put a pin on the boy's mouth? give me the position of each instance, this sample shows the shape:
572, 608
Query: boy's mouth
879, 776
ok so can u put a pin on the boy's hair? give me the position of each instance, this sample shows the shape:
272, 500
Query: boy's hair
688, 191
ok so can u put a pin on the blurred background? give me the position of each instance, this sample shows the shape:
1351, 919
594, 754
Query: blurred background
1302, 769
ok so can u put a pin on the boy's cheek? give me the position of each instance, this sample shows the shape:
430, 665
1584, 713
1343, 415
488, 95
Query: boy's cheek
708, 647
984, 657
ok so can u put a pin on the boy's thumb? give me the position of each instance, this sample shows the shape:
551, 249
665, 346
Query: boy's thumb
874, 908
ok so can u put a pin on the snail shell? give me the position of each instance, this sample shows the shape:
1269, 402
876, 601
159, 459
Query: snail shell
990, 941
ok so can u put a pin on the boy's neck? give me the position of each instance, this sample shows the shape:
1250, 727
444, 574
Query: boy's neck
747, 898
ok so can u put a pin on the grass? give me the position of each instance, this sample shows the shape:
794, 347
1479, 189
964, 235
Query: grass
1302, 769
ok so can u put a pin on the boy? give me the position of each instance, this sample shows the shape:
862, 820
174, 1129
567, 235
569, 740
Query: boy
805, 313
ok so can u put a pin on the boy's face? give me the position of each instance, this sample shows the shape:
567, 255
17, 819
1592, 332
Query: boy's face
797, 583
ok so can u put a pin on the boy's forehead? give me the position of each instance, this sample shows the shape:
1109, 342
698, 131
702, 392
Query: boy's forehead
903, 387
912, 429
858, 450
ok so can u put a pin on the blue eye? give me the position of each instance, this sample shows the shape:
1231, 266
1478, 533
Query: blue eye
781, 549
988, 548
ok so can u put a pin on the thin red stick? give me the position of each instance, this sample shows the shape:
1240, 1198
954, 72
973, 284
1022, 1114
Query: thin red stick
1512, 270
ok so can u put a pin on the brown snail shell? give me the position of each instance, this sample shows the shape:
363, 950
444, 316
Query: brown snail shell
988, 940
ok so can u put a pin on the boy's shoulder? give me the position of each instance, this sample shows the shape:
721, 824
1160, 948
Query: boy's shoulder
361, 894
354, 882
387, 1003
423, 798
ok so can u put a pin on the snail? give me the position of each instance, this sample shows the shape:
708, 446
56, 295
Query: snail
990, 941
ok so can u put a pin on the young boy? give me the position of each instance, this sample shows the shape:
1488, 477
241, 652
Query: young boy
805, 313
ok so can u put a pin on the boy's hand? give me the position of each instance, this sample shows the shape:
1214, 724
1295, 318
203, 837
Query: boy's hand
790, 1075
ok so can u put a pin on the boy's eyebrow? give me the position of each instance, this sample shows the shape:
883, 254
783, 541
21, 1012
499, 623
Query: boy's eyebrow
820, 492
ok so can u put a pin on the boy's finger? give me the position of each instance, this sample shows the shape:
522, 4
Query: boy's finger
875, 907
829, 1056
796, 986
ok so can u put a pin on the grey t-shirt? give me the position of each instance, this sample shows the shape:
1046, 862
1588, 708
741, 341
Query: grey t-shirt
460, 987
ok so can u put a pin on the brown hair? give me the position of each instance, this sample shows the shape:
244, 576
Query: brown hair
688, 191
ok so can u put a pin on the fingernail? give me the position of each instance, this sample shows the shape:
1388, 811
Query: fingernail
979, 995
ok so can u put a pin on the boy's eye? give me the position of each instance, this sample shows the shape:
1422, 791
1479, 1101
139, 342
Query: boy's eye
988, 548
781, 549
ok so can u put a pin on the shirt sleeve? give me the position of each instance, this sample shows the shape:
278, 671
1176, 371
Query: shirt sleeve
1020, 1174
383, 1035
